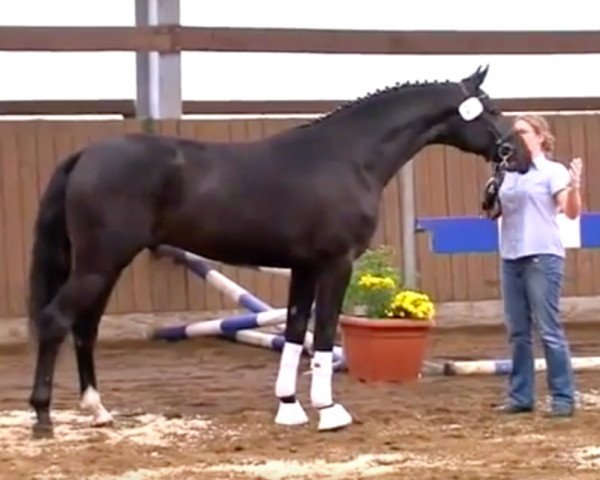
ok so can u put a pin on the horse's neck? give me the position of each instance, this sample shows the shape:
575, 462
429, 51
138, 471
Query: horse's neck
403, 144
382, 140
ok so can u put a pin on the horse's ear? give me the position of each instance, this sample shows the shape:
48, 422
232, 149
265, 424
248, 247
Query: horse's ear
481, 73
477, 78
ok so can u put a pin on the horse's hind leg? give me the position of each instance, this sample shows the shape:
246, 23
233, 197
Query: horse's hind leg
301, 296
77, 307
85, 332
52, 331
331, 289
77, 295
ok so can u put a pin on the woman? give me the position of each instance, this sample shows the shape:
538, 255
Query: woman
533, 258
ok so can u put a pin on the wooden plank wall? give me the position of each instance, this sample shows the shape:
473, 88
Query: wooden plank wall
448, 182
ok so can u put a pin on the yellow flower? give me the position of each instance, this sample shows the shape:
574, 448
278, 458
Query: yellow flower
408, 303
373, 282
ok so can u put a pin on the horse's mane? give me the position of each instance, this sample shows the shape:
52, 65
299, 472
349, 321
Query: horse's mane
379, 93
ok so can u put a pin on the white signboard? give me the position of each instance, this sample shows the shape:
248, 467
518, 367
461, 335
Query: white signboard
570, 230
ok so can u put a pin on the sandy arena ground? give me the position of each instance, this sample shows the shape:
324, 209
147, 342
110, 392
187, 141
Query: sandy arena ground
204, 409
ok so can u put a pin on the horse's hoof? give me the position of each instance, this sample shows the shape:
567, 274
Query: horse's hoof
334, 417
291, 414
41, 431
90, 401
104, 419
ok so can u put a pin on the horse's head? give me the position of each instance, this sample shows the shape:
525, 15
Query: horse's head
478, 126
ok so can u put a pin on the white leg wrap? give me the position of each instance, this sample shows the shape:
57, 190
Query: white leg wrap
320, 387
288, 370
90, 401
332, 416
289, 413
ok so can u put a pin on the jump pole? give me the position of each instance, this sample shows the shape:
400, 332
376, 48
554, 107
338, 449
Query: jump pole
503, 367
201, 267
236, 328
220, 326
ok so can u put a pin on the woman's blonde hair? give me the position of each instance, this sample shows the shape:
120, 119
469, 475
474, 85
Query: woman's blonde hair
540, 127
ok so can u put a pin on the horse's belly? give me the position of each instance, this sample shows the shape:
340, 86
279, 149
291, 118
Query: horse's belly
242, 252
236, 242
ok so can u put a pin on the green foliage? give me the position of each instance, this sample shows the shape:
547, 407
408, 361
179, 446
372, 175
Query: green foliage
376, 290
373, 284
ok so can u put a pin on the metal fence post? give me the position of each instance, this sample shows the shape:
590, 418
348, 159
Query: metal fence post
409, 243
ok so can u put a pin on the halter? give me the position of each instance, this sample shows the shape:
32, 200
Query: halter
470, 109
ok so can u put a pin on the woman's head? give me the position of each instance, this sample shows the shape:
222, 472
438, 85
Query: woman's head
536, 134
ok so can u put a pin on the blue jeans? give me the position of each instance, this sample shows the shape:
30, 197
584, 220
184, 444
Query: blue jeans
531, 288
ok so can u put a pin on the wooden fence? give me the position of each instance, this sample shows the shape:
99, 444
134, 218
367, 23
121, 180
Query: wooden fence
448, 183
176, 38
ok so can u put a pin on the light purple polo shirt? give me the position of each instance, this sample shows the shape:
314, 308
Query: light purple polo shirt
528, 225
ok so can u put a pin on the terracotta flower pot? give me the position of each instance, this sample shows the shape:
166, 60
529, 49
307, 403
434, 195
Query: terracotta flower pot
385, 350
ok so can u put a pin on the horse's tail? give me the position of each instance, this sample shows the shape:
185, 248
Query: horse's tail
51, 252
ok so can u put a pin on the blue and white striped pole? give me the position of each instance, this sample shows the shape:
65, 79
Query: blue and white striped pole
503, 367
200, 266
221, 326
260, 339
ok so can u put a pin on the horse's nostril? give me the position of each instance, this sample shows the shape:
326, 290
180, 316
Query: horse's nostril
505, 150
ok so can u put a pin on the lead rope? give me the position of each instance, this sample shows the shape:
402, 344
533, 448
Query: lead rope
491, 199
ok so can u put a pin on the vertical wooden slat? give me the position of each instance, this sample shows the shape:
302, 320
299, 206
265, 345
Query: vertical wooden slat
466, 189
13, 220
476, 288
377, 239
582, 259
592, 173
435, 195
455, 180
45, 161
391, 219
425, 260
141, 269
4, 233
438, 180
45, 155
397, 188
27, 163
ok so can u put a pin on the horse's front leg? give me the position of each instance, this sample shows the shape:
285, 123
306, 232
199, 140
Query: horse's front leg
301, 296
332, 286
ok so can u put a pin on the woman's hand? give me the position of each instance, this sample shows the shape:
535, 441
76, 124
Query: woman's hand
569, 199
575, 169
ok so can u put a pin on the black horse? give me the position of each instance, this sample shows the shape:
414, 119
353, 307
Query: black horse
305, 199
